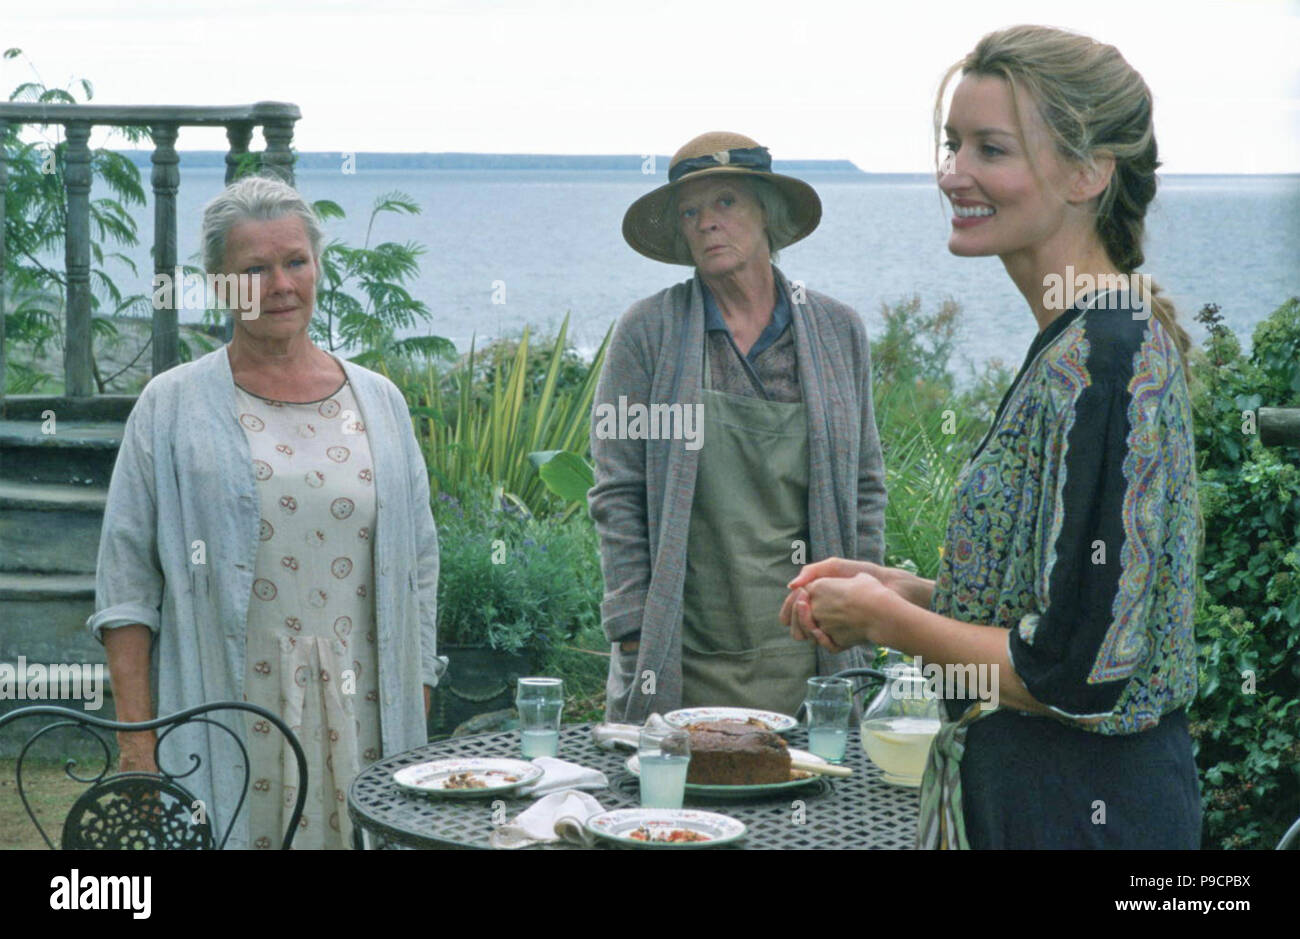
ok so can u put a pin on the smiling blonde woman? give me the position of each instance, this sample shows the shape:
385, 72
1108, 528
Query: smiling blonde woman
1070, 555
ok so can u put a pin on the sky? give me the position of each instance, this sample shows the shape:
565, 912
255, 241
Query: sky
812, 80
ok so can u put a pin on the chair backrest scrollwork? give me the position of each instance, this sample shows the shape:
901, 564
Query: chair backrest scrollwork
135, 811
1291, 840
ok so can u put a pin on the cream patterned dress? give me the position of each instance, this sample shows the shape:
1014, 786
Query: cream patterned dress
312, 652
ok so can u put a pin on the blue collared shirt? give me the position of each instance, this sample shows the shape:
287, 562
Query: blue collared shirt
781, 319
780, 322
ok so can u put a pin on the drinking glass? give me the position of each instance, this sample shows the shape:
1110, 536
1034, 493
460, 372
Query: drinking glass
829, 702
663, 755
540, 702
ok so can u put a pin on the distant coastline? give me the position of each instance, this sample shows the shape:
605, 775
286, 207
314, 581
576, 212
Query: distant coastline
332, 160
519, 162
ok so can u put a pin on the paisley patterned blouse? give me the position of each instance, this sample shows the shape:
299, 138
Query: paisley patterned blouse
1076, 525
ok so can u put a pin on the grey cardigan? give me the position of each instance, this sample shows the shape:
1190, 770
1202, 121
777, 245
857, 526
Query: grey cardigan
184, 474
641, 500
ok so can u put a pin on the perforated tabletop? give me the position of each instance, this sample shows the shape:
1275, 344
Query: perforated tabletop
862, 811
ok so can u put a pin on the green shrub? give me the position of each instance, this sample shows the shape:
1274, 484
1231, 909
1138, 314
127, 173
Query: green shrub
927, 428
915, 347
469, 434
926, 436
1246, 719
516, 583
498, 357
367, 328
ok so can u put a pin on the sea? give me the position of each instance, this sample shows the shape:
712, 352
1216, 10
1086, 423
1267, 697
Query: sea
509, 248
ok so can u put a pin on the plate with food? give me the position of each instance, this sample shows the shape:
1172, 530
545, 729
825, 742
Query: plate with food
738, 758
771, 720
666, 828
467, 778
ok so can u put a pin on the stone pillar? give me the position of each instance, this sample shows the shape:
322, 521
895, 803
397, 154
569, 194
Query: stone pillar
4, 182
239, 135
278, 158
77, 372
166, 181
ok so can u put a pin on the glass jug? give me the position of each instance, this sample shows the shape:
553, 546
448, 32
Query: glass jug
900, 723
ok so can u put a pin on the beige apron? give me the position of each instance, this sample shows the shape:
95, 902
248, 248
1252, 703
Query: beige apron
750, 507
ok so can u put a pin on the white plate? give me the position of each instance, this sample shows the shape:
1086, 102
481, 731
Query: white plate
634, 767
619, 824
501, 775
774, 721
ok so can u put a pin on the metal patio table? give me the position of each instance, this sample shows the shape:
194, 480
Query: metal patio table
862, 811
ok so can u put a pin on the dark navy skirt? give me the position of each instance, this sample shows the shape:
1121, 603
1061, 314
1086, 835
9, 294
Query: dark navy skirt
1033, 782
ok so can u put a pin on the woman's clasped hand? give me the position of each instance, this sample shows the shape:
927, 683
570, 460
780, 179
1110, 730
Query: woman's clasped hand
841, 603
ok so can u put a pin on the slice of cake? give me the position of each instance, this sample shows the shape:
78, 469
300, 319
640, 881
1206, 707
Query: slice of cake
736, 753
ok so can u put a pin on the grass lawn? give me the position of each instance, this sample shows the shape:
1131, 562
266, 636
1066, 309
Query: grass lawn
51, 794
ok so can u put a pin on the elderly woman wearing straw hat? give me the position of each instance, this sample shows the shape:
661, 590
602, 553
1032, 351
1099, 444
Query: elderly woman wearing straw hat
760, 452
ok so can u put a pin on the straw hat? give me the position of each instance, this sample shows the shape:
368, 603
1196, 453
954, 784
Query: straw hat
649, 226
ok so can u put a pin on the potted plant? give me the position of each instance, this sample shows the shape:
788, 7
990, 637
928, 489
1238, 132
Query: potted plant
514, 594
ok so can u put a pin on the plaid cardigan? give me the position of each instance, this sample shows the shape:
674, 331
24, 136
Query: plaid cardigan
643, 492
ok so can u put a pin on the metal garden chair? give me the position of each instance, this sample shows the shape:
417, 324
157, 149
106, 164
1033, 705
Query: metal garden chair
146, 810
1291, 840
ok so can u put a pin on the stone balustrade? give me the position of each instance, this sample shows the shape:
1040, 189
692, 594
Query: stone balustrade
164, 123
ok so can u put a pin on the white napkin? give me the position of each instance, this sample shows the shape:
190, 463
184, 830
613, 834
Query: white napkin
561, 774
558, 816
626, 736
616, 736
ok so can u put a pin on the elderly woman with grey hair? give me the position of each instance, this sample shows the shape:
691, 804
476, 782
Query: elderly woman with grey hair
268, 538
734, 441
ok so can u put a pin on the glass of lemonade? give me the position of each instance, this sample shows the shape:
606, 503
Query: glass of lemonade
829, 702
663, 756
540, 702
